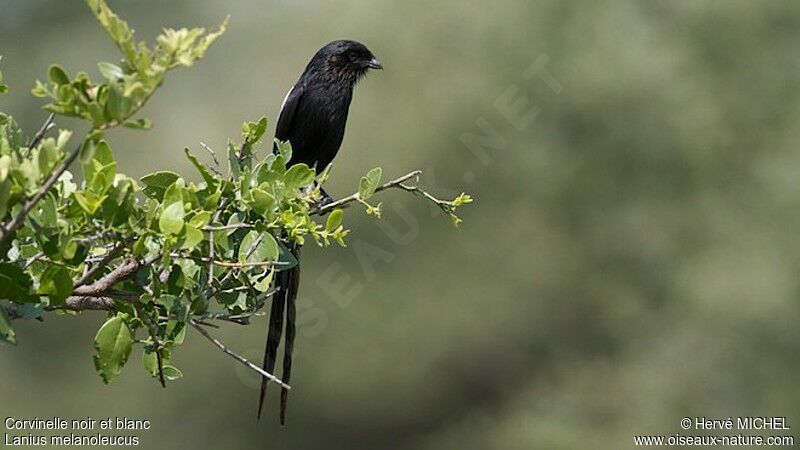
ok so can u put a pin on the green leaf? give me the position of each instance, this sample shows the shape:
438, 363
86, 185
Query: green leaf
200, 219
155, 184
89, 201
150, 359
171, 373
15, 284
204, 172
175, 192
116, 107
3, 87
263, 202
112, 72
45, 213
5, 196
99, 156
254, 131
233, 160
171, 220
334, 220
57, 75
48, 156
369, 183
6, 331
113, 344
56, 283
191, 237
462, 199
265, 250
99, 172
139, 124
284, 149
299, 175
116, 28
286, 260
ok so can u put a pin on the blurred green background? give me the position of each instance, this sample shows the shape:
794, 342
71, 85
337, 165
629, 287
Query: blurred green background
631, 259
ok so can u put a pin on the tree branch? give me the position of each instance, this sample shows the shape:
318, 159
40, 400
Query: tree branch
81, 303
113, 253
126, 269
396, 183
236, 356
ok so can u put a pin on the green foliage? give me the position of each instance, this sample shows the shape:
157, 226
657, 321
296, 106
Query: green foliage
3, 87
129, 85
113, 344
157, 251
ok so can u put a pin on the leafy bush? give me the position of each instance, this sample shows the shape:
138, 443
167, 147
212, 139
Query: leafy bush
161, 253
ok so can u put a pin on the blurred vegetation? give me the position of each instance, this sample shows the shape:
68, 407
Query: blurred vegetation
632, 259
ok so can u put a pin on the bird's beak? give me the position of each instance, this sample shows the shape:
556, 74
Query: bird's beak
375, 64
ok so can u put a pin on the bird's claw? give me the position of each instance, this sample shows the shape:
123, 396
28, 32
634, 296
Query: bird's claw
324, 201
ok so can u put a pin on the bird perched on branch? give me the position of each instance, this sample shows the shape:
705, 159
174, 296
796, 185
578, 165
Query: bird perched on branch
312, 118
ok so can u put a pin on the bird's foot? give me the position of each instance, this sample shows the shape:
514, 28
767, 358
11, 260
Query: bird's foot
324, 201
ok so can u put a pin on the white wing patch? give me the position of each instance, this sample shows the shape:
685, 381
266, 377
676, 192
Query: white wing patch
286, 98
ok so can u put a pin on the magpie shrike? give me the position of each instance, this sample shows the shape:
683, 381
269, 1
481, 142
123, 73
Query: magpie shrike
312, 118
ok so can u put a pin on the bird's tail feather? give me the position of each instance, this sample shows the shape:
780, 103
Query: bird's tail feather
286, 284
291, 313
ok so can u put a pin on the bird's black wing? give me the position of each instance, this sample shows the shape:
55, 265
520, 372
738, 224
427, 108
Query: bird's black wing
288, 109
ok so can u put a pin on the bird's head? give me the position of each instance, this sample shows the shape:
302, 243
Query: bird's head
349, 59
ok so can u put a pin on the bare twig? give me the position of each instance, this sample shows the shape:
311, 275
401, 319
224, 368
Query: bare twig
17, 221
444, 205
211, 258
33, 259
396, 183
228, 264
214, 157
236, 356
234, 226
37, 138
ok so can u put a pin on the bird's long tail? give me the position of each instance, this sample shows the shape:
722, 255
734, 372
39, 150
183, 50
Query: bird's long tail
286, 285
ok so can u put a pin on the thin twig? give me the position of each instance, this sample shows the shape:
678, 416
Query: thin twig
444, 205
211, 258
234, 226
33, 259
213, 156
236, 356
356, 197
37, 138
228, 264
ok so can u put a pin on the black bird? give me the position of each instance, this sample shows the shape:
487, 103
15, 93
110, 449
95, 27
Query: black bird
312, 118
